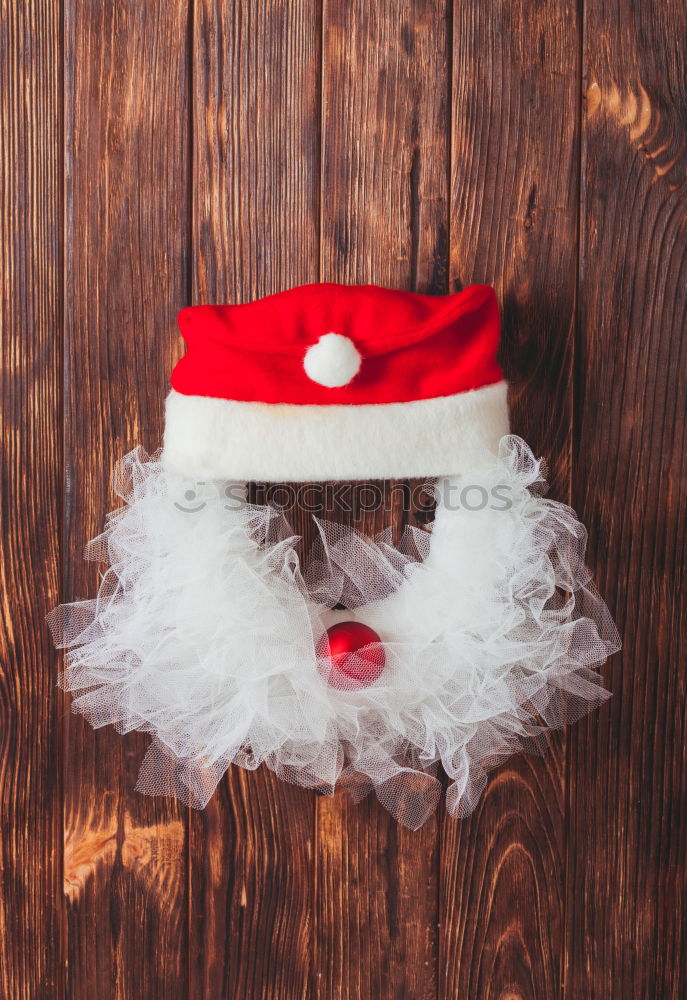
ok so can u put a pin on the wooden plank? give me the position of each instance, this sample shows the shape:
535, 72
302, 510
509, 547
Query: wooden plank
384, 220
31, 208
514, 201
256, 106
627, 859
126, 89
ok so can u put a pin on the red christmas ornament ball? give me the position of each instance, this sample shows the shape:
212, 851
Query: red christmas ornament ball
351, 655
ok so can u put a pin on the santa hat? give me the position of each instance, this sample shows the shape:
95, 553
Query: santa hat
331, 381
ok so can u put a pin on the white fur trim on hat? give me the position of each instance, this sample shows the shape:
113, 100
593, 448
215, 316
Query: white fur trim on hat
213, 438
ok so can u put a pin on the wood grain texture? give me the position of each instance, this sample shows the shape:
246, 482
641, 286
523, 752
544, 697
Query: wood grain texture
627, 879
384, 220
153, 154
126, 275
256, 106
31, 209
514, 210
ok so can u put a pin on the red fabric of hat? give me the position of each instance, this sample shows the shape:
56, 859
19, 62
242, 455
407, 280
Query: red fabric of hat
408, 346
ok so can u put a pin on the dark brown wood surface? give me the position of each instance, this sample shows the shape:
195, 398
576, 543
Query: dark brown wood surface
155, 154
514, 223
32, 942
126, 236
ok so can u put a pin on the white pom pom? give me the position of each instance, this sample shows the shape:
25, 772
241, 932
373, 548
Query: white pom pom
333, 361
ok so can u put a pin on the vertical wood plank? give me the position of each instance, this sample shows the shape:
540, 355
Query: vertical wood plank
31, 210
384, 220
256, 105
126, 94
514, 208
627, 860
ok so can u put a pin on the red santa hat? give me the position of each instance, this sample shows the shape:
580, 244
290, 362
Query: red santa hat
332, 381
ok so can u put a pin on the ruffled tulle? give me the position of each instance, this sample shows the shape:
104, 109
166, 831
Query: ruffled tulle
205, 634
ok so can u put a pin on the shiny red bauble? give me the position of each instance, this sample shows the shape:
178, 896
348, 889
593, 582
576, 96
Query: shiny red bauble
351, 655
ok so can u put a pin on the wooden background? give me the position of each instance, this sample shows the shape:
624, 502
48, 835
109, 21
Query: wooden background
155, 153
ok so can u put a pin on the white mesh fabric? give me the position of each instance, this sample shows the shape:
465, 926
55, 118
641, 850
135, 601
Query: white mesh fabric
204, 634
